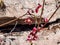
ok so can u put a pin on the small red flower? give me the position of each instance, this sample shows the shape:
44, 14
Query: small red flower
32, 33
39, 6
34, 29
35, 37
45, 20
28, 20
29, 38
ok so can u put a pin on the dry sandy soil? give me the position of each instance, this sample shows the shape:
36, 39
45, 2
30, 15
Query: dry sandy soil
13, 8
45, 37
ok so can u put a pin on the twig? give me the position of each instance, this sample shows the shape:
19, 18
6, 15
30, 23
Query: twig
11, 21
52, 15
26, 14
14, 27
49, 18
42, 8
57, 4
41, 12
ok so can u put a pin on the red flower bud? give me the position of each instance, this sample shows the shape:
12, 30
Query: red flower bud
32, 33
45, 20
35, 37
39, 6
34, 29
28, 20
29, 38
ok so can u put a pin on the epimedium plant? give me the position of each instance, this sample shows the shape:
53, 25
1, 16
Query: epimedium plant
29, 20
33, 34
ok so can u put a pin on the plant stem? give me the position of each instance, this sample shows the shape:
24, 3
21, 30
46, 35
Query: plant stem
52, 15
41, 12
11, 21
31, 43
